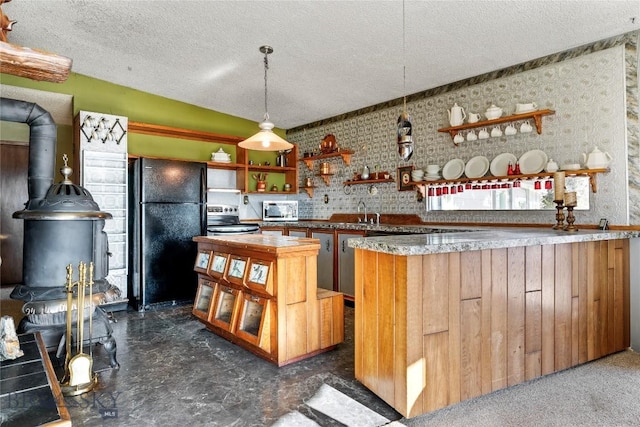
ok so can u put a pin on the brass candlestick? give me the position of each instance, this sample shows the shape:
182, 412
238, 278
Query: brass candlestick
559, 215
570, 219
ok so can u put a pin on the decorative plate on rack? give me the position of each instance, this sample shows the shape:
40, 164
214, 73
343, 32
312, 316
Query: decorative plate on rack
533, 161
453, 169
477, 167
500, 164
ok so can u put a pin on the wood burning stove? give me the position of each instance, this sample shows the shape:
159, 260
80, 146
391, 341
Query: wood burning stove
63, 226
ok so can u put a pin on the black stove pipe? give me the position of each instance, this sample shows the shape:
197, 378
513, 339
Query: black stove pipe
42, 145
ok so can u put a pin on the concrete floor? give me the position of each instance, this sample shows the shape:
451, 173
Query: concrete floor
175, 372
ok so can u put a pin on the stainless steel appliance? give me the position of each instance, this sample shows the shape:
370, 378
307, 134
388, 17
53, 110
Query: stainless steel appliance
168, 199
280, 210
225, 219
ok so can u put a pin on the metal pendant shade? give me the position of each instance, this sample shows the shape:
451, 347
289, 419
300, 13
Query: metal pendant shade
266, 139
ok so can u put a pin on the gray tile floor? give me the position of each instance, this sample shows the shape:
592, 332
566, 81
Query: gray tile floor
175, 372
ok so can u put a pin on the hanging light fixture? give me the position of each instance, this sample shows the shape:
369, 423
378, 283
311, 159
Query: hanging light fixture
405, 140
266, 139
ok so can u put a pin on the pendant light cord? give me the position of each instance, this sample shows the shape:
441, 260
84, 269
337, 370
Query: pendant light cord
404, 62
266, 67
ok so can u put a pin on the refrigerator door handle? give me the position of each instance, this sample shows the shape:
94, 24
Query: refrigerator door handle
203, 201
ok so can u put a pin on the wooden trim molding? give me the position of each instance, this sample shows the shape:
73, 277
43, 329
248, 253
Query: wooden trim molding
173, 132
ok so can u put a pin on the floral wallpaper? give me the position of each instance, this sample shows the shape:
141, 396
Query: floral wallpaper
593, 91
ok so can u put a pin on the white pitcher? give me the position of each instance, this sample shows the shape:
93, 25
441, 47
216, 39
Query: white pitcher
456, 115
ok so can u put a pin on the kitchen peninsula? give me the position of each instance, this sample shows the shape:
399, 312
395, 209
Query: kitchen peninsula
260, 292
441, 318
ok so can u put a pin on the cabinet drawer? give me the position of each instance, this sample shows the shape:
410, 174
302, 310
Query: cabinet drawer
202, 304
225, 310
254, 320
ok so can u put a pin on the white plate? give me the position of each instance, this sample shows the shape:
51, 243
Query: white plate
533, 161
477, 167
453, 169
500, 165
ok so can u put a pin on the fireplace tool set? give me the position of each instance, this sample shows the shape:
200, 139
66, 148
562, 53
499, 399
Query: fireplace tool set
78, 377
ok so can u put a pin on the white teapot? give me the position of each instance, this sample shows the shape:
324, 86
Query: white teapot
493, 112
456, 115
221, 156
596, 159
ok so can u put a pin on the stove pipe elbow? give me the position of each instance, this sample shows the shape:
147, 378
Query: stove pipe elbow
42, 145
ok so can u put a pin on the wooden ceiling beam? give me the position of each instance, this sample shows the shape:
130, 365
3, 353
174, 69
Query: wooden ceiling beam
33, 64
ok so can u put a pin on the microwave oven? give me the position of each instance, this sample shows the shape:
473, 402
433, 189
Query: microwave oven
284, 210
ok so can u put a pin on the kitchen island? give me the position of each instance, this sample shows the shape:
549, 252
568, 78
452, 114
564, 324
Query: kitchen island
440, 318
260, 292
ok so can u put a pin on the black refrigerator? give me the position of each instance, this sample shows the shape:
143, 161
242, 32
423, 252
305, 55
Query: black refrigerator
168, 203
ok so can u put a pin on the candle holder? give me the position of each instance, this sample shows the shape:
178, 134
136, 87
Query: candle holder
570, 220
559, 215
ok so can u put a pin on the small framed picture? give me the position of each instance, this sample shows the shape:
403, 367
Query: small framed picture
237, 267
604, 224
404, 178
219, 264
202, 261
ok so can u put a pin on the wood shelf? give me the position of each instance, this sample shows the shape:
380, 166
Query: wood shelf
225, 165
308, 190
369, 181
275, 169
242, 165
590, 172
345, 154
326, 177
535, 115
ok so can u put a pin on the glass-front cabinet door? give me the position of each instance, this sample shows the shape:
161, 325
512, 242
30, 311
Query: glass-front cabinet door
237, 269
224, 311
202, 261
219, 265
254, 320
259, 277
203, 299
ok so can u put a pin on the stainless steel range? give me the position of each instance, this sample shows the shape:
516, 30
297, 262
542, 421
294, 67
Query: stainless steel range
225, 219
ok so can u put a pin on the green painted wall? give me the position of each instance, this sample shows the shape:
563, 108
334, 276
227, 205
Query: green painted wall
91, 94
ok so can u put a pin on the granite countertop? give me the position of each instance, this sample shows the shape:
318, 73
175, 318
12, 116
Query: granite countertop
485, 238
359, 226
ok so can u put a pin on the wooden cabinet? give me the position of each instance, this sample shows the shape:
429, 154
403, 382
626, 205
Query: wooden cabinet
433, 330
260, 292
245, 163
335, 258
325, 258
297, 232
251, 163
272, 230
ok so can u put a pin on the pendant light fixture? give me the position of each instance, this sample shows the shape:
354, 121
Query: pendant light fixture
405, 140
266, 139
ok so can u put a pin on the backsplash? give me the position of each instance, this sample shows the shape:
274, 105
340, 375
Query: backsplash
586, 91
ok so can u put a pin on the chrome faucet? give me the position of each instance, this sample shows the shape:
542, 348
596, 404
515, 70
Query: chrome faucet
377, 214
361, 202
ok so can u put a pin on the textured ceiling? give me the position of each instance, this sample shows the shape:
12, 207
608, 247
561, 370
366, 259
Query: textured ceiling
330, 57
